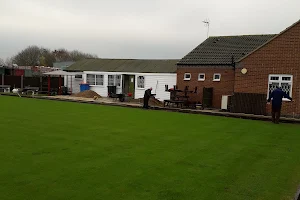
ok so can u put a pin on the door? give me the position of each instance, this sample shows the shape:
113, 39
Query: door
132, 85
125, 84
207, 97
128, 84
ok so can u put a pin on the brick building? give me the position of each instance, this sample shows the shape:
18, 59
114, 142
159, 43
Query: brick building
210, 66
247, 64
275, 63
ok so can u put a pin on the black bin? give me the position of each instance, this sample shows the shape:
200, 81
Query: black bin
111, 90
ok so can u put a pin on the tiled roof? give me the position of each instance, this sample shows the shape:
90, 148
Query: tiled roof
219, 50
125, 65
282, 32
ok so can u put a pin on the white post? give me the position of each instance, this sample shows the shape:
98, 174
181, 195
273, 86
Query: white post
71, 85
67, 81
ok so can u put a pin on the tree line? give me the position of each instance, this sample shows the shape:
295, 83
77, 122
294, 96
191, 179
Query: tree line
39, 56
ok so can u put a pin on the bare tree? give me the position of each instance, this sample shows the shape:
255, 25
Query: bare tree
34, 55
77, 55
62, 55
2, 62
47, 57
9, 61
28, 57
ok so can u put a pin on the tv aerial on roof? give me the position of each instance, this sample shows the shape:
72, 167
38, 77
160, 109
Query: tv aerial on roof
206, 24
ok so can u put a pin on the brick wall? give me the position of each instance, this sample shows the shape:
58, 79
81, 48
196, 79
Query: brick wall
280, 56
223, 87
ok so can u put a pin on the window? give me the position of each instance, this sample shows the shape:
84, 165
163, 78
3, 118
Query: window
94, 79
217, 77
201, 77
99, 80
166, 88
187, 76
114, 80
90, 79
274, 78
118, 80
140, 82
283, 81
78, 76
111, 80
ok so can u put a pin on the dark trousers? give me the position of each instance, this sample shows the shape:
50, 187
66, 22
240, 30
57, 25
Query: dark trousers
276, 114
146, 102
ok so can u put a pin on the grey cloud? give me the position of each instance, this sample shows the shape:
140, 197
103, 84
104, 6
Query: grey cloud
135, 28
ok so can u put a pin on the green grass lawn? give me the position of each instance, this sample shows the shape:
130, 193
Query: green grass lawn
59, 151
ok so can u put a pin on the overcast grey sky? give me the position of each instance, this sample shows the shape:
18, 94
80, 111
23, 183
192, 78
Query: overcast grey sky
135, 28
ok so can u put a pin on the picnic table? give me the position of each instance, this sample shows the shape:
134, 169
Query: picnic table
5, 88
176, 102
175, 99
182, 99
32, 90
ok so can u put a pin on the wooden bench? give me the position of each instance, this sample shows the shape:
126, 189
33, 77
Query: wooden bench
4, 88
32, 90
174, 102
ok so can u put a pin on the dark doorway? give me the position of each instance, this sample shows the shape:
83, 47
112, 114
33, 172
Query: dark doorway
207, 97
128, 84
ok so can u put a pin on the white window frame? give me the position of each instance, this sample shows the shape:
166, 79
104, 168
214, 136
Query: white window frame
108, 79
201, 79
185, 78
280, 81
118, 75
102, 79
215, 79
137, 84
95, 79
92, 83
115, 80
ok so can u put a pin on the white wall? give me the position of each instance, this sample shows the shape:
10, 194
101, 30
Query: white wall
102, 90
75, 83
155, 80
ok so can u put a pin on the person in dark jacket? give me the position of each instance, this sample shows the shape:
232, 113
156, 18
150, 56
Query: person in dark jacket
276, 97
147, 96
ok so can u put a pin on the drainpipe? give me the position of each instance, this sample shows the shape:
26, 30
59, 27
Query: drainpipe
232, 62
234, 67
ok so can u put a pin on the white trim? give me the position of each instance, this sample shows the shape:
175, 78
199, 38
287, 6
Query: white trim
130, 73
62, 73
187, 79
280, 76
201, 79
216, 80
